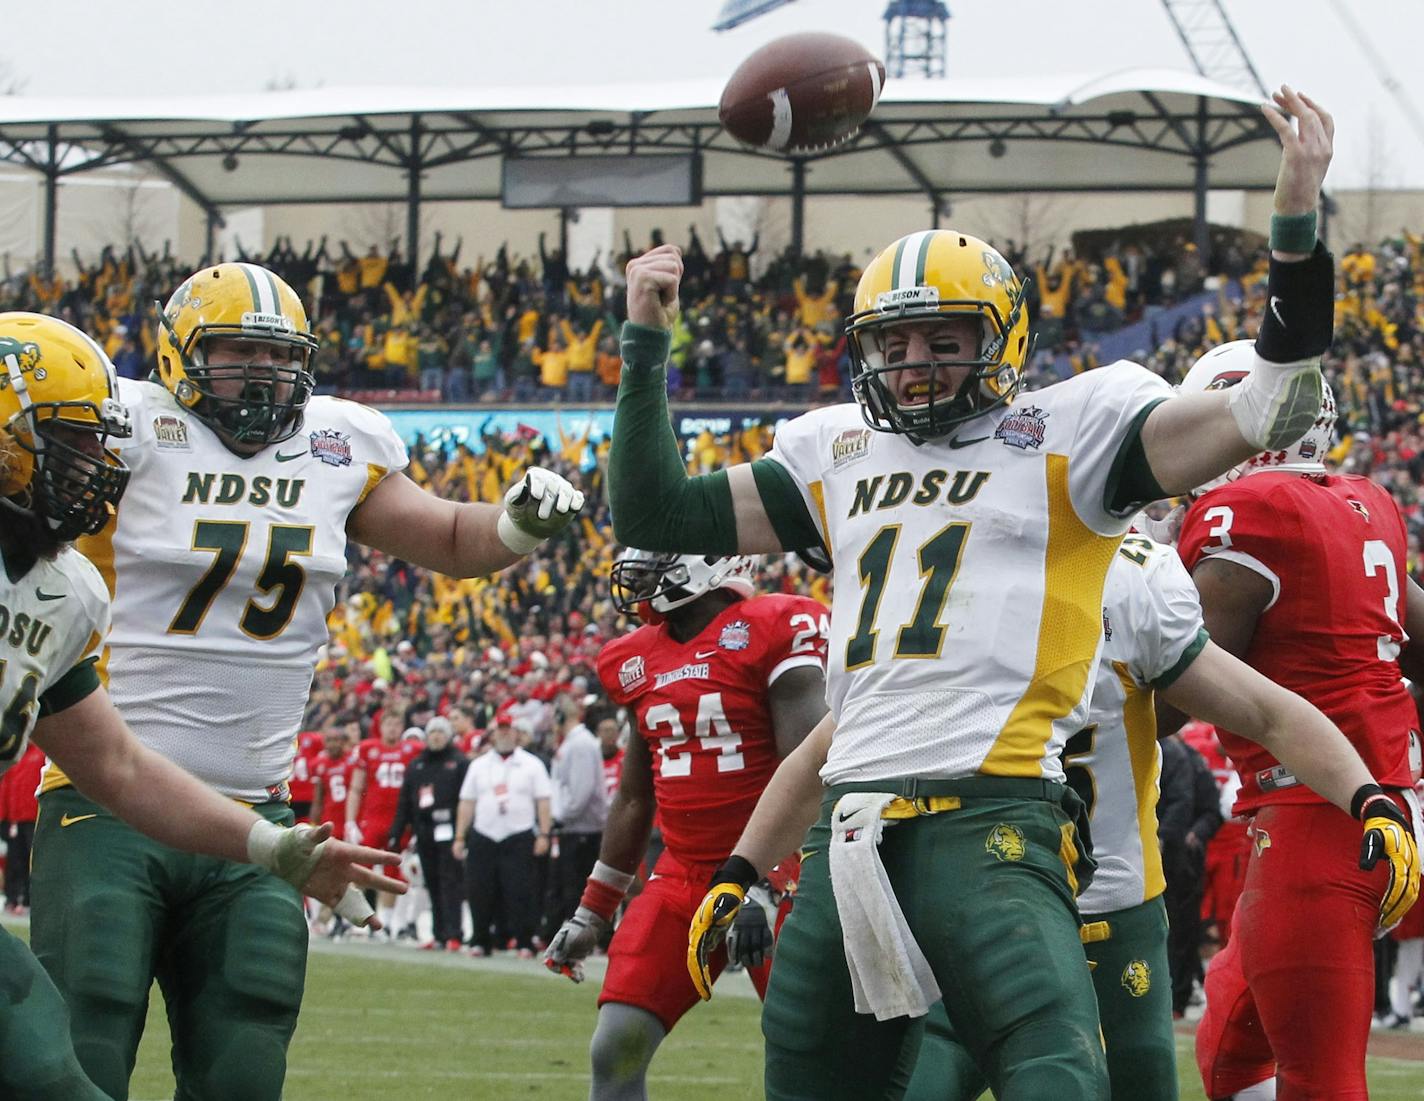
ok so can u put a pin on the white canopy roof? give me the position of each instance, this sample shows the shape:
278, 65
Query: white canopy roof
1144, 129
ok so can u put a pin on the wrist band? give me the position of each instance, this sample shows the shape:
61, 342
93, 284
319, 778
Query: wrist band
1365, 793
1293, 232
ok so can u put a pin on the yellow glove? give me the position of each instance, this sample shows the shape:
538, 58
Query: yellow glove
714, 917
1388, 836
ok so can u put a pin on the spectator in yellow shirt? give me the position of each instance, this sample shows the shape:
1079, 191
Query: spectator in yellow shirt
582, 352
553, 363
800, 350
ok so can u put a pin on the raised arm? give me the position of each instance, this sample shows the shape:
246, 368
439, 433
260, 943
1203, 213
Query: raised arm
655, 505
1191, 439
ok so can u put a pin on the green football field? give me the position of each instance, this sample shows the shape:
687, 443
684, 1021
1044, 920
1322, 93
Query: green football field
382, 1023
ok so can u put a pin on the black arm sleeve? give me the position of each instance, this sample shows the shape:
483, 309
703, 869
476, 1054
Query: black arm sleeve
1299, 321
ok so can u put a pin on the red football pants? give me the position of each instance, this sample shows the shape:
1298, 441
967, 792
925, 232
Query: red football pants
647, 958
1293, 993
1226, 856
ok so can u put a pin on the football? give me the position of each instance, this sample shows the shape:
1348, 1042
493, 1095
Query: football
801, 92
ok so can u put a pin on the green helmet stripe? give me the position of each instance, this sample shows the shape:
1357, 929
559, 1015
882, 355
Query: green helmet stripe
276, 298
252, 286
922, 258
895, 264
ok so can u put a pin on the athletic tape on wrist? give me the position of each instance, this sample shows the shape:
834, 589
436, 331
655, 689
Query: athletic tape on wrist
513, 536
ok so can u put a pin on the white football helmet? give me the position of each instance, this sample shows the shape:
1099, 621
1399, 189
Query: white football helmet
667, 581
1226, 365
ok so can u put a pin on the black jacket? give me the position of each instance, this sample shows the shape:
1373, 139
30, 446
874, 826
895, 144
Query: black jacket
429, 796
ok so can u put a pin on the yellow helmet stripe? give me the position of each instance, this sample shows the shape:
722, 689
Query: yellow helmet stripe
910, 259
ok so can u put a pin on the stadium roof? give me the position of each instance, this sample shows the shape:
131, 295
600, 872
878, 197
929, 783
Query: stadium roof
1143, 129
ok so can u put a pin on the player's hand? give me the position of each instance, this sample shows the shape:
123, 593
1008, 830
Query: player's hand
653, 280
327, 870
750, 939
575, 942
458, 850
714, 917
1388, 836
1306, 149
541, 845
537, 506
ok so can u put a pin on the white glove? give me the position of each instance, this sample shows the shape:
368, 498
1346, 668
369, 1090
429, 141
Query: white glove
1165, 530
575, 942
539, 505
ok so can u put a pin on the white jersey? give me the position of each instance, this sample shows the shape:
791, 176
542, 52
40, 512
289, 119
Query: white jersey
223, 570
1152, 631
968, 614
52, 623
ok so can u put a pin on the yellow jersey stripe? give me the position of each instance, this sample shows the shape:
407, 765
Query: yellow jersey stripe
818, 495
1139, 719
374, 476
1070, 625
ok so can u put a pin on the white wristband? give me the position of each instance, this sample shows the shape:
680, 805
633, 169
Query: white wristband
262, 842
514, 537
607, 873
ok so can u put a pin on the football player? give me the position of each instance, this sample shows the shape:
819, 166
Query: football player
59, 479
331, 780
1303, 575
720, 685
376, 779
1152, 634
978, 526
222, 562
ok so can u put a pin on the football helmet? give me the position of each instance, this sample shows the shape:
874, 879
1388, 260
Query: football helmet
59, 406
1226, 365
646, 581
245, 402
923, 277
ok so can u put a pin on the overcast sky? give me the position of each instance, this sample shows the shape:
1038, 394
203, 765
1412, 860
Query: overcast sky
157, 47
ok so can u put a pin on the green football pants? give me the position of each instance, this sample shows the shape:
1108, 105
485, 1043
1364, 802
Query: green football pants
37, 1061
112, 910
988, 895
1129, 959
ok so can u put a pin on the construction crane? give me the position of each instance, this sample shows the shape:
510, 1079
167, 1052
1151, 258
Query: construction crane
1386, 77
736, 12
1212, 43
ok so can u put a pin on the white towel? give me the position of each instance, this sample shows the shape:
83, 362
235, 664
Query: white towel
888, 972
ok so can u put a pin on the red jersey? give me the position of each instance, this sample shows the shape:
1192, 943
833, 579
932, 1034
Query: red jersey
309, 746
702, 706
384, 767
333, 776
1333, 550
612, 773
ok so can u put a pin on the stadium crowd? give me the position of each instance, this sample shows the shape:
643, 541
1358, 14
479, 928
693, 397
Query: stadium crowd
409, 648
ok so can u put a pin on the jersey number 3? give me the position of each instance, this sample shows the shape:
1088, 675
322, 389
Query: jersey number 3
281, 578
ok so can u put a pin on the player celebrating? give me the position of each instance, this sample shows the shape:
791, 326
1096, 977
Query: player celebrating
721, 685
59, 479
222, 563
378, 770
1301, 575
980, 526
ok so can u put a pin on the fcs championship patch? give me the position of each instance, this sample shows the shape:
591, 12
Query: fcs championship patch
1023, 428
736, 635
331, 447
1006, 842
1137, 978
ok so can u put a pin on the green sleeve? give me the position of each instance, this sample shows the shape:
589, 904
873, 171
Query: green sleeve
655, 505
74, 686
1189, 655
785, 507
1131, 483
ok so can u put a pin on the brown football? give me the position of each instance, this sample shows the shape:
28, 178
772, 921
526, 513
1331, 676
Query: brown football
801, 92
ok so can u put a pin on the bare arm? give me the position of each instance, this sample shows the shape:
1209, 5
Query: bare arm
354, 796
458, 540
798, 703
1226, 692
1411, 658
790, 804
464, 818
630, 815
318, 800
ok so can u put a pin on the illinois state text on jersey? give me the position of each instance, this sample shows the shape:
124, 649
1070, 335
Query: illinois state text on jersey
1333, 550
702, 706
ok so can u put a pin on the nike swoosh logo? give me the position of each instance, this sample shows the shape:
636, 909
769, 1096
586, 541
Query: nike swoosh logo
49, 596
1275, 309
69, 820
703, 655
288, 458
845, 815
957, 443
